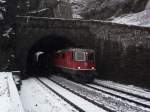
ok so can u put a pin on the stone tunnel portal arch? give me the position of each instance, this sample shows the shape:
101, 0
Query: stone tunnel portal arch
45, 48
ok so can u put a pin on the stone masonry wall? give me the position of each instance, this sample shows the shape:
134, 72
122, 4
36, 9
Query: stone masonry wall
122, 52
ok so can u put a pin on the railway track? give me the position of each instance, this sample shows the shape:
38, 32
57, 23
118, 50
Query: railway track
137, 92
142, 101
108, 98
84, 97
55, 87
75, 106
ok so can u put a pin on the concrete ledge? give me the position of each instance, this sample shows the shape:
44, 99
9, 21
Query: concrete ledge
11, 100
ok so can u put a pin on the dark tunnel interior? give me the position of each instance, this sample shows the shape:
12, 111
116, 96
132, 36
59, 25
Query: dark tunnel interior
40, 56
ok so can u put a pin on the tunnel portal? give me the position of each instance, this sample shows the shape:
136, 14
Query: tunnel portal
40, 56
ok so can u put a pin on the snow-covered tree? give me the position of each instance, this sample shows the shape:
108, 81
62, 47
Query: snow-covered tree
7, 17
2, 14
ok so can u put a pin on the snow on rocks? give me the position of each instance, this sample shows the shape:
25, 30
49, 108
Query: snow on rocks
2, 1
1, 16
9, 98
77, 7
148, 5
138, 19
2, 9
37, 98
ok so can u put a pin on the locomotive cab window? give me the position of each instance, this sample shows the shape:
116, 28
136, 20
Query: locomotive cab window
79, 56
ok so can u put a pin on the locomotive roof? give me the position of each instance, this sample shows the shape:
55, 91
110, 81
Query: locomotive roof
76, 49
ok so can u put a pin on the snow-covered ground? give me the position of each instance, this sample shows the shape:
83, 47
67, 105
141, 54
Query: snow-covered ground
36, 98
82, 103
9, 98
108, 100
138, 19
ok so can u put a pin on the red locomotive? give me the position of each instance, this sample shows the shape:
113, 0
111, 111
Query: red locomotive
76, 63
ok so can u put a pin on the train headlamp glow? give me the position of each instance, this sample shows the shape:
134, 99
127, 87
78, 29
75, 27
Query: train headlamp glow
78, 67
93, 68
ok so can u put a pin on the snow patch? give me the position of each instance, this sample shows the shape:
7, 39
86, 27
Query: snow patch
78, 6
9, 98
2, 1
37, 98
148, 5
1, 16
138, 19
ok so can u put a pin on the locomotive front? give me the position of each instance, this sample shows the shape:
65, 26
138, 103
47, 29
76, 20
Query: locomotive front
77, 64
84, 65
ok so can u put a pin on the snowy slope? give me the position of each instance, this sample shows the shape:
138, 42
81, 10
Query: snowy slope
139, 19
9, 98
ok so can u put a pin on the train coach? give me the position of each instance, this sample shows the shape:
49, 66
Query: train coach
76, 63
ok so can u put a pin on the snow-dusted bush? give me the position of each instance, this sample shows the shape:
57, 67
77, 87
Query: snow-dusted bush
7, 17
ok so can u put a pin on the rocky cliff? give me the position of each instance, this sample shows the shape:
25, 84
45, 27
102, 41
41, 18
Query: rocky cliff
104, 9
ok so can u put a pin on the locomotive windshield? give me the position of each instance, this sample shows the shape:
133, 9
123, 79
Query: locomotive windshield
83, 56
79, 56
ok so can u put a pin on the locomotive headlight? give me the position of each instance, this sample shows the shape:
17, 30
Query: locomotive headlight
93, 68
78, 67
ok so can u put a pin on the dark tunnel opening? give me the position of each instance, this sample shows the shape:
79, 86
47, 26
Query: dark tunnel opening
40, 56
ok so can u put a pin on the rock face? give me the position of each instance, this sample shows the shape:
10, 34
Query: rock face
7, 14
86, 9
104, 9
45, 8
7, 20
